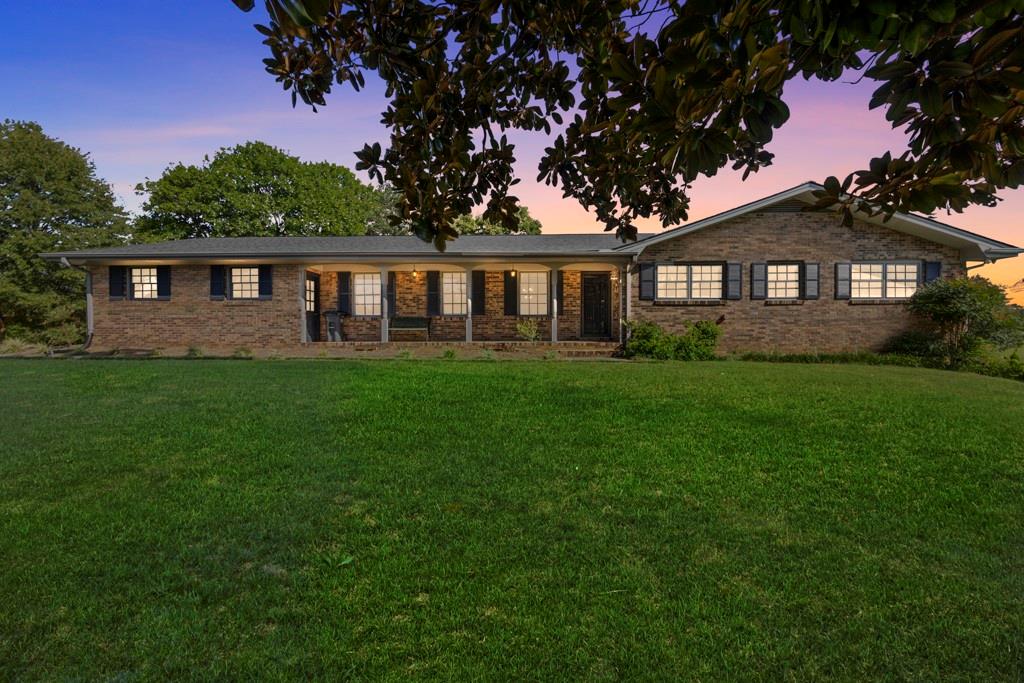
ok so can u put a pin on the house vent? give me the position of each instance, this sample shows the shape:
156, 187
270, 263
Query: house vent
787, 206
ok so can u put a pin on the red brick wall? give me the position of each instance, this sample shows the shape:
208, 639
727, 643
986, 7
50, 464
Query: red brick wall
822, 325
190, 318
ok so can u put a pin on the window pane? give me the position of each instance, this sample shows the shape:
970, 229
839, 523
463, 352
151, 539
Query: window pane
310, 296
866, 280
706, 282
453, 293
366, 291
533, 293
900, 280
783, 280
245, 283
671, 282
143, 283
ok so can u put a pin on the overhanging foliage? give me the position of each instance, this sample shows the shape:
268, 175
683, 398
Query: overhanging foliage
651, 95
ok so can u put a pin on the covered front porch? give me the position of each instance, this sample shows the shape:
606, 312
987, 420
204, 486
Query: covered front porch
497, 301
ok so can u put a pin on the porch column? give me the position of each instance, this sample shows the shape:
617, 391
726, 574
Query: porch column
553, 298
629, 290
469, 303
619, 280
304, 334
89, 325
384, 313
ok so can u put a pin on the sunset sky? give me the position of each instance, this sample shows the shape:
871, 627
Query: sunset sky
143, 84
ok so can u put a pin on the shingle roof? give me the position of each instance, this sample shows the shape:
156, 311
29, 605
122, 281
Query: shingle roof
361, 245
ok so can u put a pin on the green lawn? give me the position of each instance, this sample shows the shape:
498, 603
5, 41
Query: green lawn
509, 520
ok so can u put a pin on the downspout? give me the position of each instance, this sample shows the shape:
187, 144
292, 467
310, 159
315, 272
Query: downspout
88, 302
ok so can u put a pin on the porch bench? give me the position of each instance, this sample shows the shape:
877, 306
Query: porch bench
410, 324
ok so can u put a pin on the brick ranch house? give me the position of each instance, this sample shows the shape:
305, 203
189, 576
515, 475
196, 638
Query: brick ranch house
778, 277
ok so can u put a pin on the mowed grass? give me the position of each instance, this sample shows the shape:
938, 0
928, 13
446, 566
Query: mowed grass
507, 520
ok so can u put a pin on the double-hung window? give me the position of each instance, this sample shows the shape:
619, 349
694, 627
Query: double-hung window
689, 281
533, 293
883, 280
366, 294
453, 293
783, 280
245, 283
143, 283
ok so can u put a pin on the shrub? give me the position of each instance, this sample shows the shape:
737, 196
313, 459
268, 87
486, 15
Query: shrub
648, 340
965, 311
1010, 333
992, 362
917, 343
528, 329
449, 354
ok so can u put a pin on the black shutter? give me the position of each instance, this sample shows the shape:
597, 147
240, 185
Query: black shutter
217, 280
758, 280
647, 281
734, 281
433, 292
842, 280
811, 280
163, 282
266, 282
479, 292
511, 294
561, 292
118, 282
932, 271
345, 293
392, 294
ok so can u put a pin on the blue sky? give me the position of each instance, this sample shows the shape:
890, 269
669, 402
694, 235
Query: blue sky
141, 85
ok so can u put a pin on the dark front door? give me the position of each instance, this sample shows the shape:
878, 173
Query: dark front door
313, 306
597, 305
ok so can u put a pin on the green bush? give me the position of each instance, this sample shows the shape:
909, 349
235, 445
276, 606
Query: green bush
917, 343
1011, 367
965, 311
528, 329
648, 340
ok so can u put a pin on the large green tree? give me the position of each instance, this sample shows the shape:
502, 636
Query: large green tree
467, 224
652, 94
50, 199
479, 225
255, 189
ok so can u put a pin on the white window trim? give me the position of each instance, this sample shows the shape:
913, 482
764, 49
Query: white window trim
231, 283
546, 301
721, 265
309, 295
768, 280
885, 278
376, 309
154, 291
458, 299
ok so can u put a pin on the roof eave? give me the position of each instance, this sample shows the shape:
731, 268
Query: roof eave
337, 257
